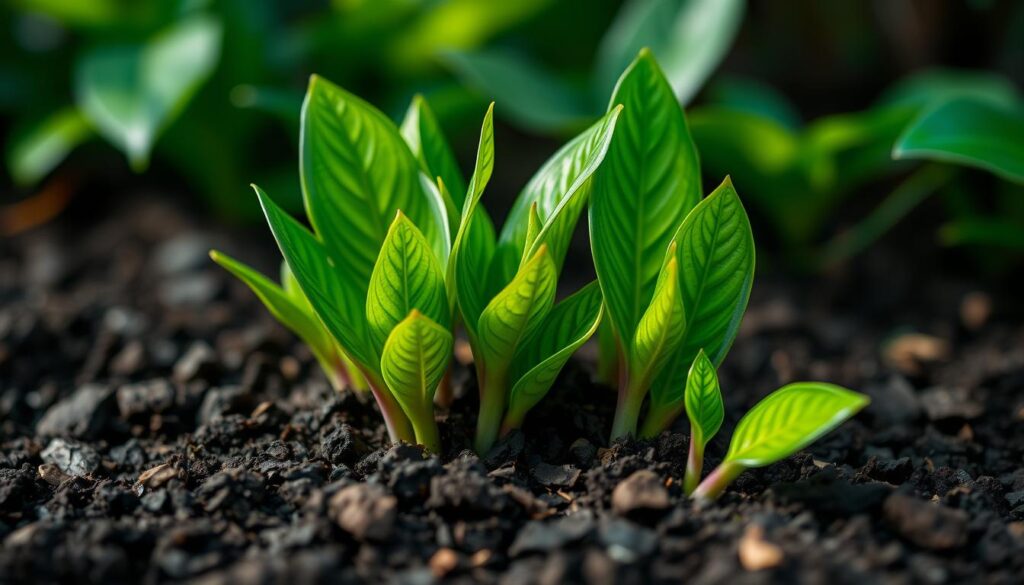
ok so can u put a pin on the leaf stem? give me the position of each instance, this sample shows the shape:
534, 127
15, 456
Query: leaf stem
399, 427
716, 481
694, 465
492, 407
627, 411
425, 428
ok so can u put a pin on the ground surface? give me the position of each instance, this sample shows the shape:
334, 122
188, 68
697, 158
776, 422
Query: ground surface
156, 426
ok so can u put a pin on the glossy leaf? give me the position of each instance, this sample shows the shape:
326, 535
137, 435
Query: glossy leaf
648, 182
442, 210
426, 140
515, 311
35, 153
541, 357
132, 92
703, 400
969, 132
406, 277
413, 362
335, 297
690, 38
660, 329
789, 419
560, 188
532, 96
356, 172
715, 250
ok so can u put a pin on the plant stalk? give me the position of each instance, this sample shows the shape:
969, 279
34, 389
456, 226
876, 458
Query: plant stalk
627, 410
658, 420
492, 407
399, 427
694, 465
716, 481
425, 428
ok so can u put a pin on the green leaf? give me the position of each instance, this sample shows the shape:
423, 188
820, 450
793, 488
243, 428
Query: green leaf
413, 362
560, 188
439, 231
747, 94
357, 172
934, 86
789, 419
130, 93
703, 399
648, 182
533, 227
406, 277
533, 97
541, 357
660, 328
34, 154
289, 306
715, 250
423, 134
474, 244
336, 298
690, 38
969, 132
515, 311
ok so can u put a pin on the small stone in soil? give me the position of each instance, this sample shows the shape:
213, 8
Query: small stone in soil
71, 457
944, 403
928, 525
626, 542
540, 536
154, 396
583, 452
639, 493
82, 415
366, 511
198, 363
755, 552
555, 476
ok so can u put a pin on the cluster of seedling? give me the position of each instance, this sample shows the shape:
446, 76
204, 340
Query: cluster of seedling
401, 253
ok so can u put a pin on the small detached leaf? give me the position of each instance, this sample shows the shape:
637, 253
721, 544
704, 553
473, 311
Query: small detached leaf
406, 277
789, 419
413, 362
543, 355
40, 149
515, 311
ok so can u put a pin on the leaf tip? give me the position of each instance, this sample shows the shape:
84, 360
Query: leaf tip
645, 53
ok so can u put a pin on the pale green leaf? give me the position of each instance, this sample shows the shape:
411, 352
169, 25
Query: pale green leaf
132, 92
715, 249
423, 134
532, 96
406, 277
660, 329
646, 185
690, 38
515, 311
969, 132
413, 362
703, 399
438, 232
560, 188
789, 419
356, 172
541, 357
38, 151
336, 298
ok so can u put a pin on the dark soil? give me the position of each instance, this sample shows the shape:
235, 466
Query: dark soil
158, 426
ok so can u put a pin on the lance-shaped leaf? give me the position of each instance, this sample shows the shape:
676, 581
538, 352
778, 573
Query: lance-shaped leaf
541, 357
785, 422
413, 362
660, 328
292, 309
426, 140
560, 189
336, 298
789, 419
356, 172
406, 277
473, 248
715, 249
441, 211
643, 190
971, 132
515, 311
706, 412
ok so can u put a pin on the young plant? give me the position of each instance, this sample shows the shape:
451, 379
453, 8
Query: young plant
290, 306
706, 412
675, 270
783, 423
373, 266
504, 286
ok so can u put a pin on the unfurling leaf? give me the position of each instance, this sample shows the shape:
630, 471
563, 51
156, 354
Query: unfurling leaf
406, 277
413, 362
